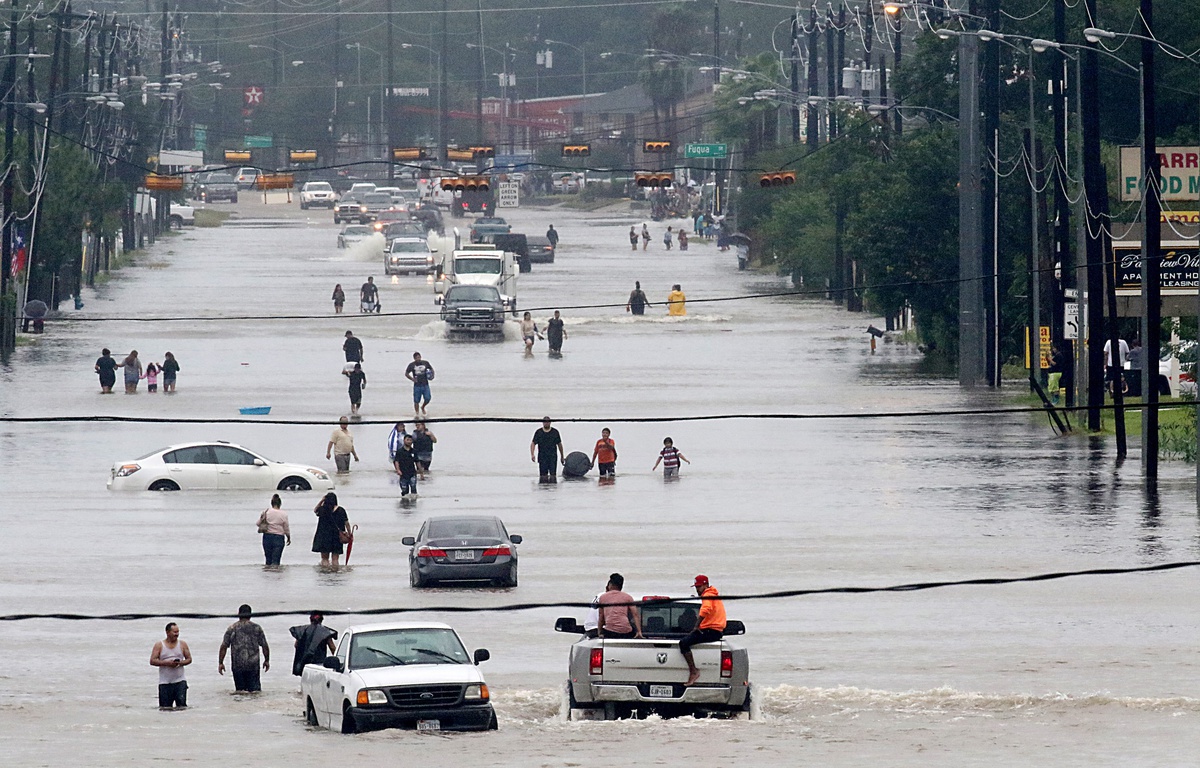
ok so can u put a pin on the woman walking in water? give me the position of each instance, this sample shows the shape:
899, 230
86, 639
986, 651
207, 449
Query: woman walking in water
133, 372
339, 298
170, 368
332, 523
107, 367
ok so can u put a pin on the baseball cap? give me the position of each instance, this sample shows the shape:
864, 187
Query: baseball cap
244, 610
701, 581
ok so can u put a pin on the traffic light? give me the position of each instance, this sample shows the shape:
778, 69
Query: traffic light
482, 152
781, 179
459, 155
302, 155
408, 153
466, 184
156, 183
237, 155
656, 147
275, 181
654, 180
576, 150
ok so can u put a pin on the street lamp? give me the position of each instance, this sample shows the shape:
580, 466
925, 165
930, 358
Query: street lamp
276, 70
382, 88
438, 80
582, 59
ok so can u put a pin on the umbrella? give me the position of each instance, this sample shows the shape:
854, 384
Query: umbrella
738, 237
36, 309
350, 544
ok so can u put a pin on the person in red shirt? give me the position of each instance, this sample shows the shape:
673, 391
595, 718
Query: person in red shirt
710, 629
606, 452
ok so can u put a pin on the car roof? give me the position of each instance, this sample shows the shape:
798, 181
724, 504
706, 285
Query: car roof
202, 442
397, 625
444, 518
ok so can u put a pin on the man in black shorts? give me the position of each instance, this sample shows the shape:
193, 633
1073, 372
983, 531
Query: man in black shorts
546, 440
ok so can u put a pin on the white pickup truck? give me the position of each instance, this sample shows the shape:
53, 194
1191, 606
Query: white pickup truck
638, 677
399, 675
474, 264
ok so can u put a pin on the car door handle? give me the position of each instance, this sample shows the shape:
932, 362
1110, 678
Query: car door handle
224, 471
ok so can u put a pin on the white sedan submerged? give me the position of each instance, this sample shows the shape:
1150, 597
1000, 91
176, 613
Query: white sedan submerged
213, 466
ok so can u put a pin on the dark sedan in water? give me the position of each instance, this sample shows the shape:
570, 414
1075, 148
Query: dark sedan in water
472, 548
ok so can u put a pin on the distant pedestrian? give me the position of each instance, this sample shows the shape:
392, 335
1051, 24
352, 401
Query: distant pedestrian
420, 372
683, 239
151, 377
698, 223
341, 445
408, 467
133, 372
711, 628
276, 533
667, 239
171, 655
669, 457
637, 300
244, 638
353, 348
606, 452
339, 298
676, 302
396, 440
546, 440
552, 236
633, 238
529, 331
314, 641
555, 333
170, 369
358, 382
645, 237
423, 441
106, 368
618, 618
333, 529
368, 296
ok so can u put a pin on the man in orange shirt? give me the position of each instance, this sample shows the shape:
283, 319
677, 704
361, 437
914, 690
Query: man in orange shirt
710, 629
606, 451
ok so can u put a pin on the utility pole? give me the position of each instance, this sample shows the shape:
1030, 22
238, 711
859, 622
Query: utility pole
795, 76
479, 85
989, 253
716, 42
443, 96
898, 47
276, 53
813, 41
970, 223
334, 135
831, 76
8, 304
386, 105
1062, 206
1093, 187
1151, 252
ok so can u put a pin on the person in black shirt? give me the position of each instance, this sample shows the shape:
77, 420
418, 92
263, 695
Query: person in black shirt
423, 441
420, 373
353, 348
546, 440
106, 366
552, 236
369, 296
408, 467
637, 300
358, 380
555, 333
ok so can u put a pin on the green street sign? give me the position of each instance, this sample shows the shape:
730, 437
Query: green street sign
711, 151
258, 141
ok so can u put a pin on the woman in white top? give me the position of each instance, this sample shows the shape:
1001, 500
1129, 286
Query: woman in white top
273, 525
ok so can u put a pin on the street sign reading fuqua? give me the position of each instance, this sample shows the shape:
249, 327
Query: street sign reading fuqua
712, 151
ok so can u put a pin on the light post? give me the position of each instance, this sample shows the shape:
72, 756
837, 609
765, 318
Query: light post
358, 47
506, 80
582, 59
438, 57
279, 73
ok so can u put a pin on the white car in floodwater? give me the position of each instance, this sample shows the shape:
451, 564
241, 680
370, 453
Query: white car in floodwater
216, 465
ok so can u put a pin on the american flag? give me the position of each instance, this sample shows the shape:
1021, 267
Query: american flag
19, 255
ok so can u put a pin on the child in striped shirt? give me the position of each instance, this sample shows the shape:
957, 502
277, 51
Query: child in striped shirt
669, 457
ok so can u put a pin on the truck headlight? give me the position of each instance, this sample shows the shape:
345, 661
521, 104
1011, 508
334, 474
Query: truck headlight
477, 692
371, 696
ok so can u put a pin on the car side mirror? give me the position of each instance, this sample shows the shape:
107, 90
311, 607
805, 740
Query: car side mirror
568, 624
482, 655
332, 662
408, 541
735, 628
515, 538
260, 463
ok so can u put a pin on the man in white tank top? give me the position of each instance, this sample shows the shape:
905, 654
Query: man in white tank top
171, 656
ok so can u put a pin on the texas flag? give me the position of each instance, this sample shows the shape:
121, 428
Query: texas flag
19, 254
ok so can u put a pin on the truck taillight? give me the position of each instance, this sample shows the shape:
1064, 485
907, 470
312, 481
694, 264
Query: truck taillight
726, 663
596, 665
430, 552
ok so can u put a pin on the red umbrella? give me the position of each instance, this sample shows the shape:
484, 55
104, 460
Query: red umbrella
350, 544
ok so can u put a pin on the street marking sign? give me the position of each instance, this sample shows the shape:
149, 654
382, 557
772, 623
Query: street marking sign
711, 151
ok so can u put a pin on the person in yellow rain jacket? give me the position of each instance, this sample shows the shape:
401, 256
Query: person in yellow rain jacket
711, 628
676, 302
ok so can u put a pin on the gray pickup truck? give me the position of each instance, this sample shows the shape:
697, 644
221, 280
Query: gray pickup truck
619, 679
474, 310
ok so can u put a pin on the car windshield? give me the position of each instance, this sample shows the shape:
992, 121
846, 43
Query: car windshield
473, 293
409, 246
319, 186
406, 228
477, 266
475, 527
219, 178
359, 229
389, 647
486, 222
378, 199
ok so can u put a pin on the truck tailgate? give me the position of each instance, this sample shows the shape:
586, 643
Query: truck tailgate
655, 661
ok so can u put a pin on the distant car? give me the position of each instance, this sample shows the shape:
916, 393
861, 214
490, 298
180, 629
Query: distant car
213, 466
408, 255
351, 208
489, 225
462, 549
247, 177
377, 203
397, 196
540, 250
353, 234
430, 217
386, 218
317, 193
567, 183
181, 215
217, 186
402, 674
361, 188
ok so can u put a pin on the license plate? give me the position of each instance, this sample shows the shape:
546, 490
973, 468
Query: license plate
429, 725
464, 554
662, 691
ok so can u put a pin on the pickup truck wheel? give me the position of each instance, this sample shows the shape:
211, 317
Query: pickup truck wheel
610, 710
176, 222
304, 206
348, 724
310, 714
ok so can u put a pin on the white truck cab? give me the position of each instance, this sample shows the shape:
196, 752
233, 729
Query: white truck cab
476, 264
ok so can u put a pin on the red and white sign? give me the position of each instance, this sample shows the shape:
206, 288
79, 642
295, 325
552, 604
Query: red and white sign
252, 95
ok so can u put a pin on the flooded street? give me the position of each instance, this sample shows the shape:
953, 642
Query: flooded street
1071, 672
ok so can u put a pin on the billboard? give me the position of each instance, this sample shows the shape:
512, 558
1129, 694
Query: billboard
1180, 173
